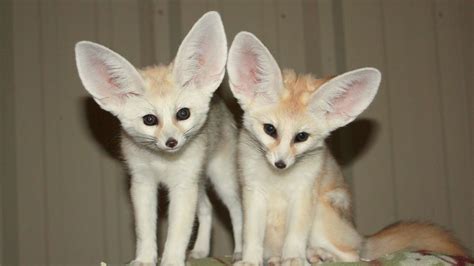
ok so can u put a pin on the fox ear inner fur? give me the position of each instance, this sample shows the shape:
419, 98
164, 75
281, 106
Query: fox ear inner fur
254, 74
344, 97
106, 75
200, 61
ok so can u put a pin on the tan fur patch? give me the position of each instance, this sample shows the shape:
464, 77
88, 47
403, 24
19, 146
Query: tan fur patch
274, 145
414, 236
331, 181
293, 150
337, 228
158, 79
158, 130
298, 89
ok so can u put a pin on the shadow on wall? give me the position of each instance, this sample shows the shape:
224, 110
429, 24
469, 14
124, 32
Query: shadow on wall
104, 127
352, 141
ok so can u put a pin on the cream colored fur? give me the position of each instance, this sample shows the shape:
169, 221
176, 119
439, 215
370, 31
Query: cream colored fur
411, 236
205, 142
304, 206
306, 202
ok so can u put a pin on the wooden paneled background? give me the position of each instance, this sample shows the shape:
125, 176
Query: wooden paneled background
63, 196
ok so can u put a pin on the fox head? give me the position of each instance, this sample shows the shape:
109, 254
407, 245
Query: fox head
160, 107
287, 114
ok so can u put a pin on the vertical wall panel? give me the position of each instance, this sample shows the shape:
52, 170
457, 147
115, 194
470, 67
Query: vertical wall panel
268, 30
328, 37
111, 177
190, 12
312, 36
2, 163
8, 191
126, 40
455, 112
4, 31
77, 195
232, 13
51, 127
29, 134
145, 15
291, 35
420, 172
468, 40
371, 157
161, 32
105, 129
3, 153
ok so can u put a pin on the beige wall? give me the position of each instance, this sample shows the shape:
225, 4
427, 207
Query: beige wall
64, 191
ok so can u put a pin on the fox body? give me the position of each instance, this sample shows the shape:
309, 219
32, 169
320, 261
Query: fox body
286, 167
297, 205
174, 132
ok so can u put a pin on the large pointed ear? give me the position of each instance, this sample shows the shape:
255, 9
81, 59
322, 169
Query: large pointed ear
106, 75
254, 75
200, 62
343, 98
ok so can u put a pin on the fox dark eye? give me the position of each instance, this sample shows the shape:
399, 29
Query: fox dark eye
270, 130
302, 136
183, 114
150, 120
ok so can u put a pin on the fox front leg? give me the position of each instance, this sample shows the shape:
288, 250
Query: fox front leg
299, 222
254, 228
144, 200
182, 211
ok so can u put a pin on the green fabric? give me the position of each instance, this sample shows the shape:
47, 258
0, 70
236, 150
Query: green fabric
401, 258
408, 258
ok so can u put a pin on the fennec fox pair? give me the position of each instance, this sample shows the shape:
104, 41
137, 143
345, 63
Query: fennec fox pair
296, 202
297, 206
172, 134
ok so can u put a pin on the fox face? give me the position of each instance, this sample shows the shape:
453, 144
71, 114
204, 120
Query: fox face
160, 107
287, 114
287, 129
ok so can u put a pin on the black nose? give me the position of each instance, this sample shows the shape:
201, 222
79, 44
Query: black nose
171, 142
280, 164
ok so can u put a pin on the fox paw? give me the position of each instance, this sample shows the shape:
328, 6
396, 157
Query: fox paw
198, 254
172, 263
245, 263
274, 261
318, 255
141, 263
237, 256
294, 262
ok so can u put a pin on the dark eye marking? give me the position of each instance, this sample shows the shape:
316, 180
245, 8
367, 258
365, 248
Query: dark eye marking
301, 137
270, 130
183, 114
150, 120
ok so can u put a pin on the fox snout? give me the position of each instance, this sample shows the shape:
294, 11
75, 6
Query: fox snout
169, 139
170, 144
280, 159
280, 164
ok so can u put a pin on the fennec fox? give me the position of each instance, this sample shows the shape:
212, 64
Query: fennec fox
172, 134
297, 206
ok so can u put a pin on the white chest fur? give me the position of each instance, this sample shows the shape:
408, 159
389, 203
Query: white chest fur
166, 168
